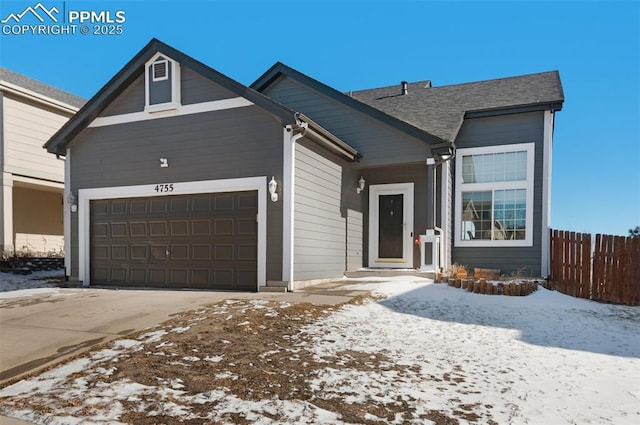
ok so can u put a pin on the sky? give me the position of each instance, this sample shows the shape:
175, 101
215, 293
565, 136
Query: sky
352, 45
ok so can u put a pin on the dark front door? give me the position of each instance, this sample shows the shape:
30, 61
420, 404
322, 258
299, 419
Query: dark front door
391, 225
391, 219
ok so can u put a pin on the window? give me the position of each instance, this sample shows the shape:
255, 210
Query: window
494, 196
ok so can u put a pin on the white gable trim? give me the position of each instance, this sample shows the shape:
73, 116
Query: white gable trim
85, 196
175, 83
195, 108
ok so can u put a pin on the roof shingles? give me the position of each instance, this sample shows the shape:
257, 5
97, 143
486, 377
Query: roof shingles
440, 110
41, 88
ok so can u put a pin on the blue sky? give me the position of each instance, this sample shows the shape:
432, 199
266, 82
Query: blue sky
363, 44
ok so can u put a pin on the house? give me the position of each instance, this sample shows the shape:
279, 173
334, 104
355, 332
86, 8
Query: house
31, 180
179, 176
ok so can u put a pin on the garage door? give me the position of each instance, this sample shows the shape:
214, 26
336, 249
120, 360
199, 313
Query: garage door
185, 241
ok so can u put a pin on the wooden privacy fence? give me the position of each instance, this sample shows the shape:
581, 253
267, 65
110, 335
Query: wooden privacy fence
607, 270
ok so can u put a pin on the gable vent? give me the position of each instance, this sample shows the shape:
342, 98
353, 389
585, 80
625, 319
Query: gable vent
160, 70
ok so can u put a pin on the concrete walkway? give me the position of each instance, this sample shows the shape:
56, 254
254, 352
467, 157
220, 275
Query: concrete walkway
46, 328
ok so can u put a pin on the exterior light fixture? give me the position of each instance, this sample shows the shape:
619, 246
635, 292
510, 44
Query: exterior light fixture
361, 184
273, 185
164, 162
71, 200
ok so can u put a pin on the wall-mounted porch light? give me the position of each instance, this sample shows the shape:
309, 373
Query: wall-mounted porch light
361, 184
71, 201
273, 186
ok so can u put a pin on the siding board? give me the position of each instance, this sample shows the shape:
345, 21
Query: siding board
502, 130
194, 89
378, 143
130, 100
234, 143
26, 128
322, 248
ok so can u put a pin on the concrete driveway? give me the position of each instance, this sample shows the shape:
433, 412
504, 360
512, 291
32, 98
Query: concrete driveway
48, 327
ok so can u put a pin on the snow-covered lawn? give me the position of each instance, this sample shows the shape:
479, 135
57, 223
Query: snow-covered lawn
35, 280
418, 353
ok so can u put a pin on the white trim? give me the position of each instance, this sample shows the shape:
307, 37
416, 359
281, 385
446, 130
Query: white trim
375, 191
176, 94
7, 214
153, 70
194, 108
288, 149
472, 187
444, 214
85, 196
546, 191
21, 91
288, 203
162, 107
67, 213
30, 181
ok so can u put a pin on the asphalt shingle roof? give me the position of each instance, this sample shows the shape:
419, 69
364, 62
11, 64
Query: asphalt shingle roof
41, 88
440, 110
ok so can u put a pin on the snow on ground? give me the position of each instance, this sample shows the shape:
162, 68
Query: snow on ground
542, 359
35, 280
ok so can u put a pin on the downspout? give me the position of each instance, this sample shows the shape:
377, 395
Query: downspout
66, 213
292, 133
439, 160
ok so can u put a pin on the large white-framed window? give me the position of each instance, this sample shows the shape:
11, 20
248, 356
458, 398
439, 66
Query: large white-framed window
494, 196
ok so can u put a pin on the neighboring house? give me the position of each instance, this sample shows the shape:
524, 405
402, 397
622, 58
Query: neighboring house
180, 176
31, 180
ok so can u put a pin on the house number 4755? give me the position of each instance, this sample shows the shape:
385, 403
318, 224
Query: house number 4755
160, 188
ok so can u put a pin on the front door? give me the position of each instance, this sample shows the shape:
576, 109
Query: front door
391, 225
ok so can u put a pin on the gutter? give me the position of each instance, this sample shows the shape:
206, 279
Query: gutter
322, 136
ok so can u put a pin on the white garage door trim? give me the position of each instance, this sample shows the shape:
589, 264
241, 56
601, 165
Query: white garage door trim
85, 196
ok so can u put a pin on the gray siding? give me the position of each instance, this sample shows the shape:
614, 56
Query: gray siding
422, 204
130, 100
328, 218
355, 237
378, 143
234, 143
504, 130
194, 89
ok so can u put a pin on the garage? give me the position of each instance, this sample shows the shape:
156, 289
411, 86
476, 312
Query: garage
204, 241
